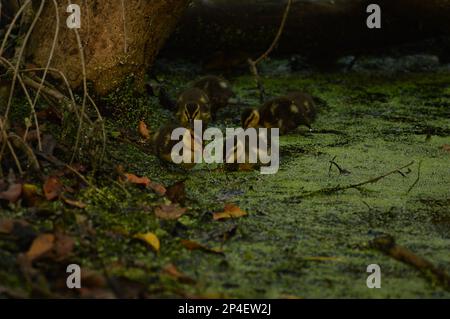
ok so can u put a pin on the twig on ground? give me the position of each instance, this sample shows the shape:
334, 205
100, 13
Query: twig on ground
330, 190
387, 245
417, 179
342, 171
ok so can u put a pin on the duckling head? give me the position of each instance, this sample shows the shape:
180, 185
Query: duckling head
193, 104
250, 118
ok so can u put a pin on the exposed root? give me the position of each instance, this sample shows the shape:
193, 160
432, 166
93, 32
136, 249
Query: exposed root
387, 245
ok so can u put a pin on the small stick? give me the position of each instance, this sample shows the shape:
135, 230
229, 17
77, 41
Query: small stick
342, 171
330, 190
386, 244
417, 179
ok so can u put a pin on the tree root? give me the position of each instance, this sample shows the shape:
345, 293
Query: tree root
386, 244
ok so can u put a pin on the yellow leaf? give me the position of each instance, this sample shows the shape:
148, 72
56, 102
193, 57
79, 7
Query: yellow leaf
151, 239
230, 211
40, 246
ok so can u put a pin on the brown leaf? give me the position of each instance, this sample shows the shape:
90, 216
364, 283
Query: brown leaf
177, 192
133, 179
193, 245
6, 226
158, 188
169, 212
230, 211
143, 130
52, 188
173, 272
74, 203
30, 194
63, 246
42, 245
446, 148
12, 194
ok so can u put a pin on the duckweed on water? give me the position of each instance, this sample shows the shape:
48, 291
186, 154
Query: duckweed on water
370, 125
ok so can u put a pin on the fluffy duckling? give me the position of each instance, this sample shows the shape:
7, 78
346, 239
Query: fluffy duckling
193, 104
163, 144
239, 157
285, 113
218, 90
305, 102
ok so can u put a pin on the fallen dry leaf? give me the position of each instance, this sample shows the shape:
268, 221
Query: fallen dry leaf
173, 272
169, 212
193, 245
74, 203
446, 147
12, 194
63, 246
133, 179
151, 239
230, 211
52, 188
143, 130
42, 245
158, 188
30, 194
6, 226
176, 192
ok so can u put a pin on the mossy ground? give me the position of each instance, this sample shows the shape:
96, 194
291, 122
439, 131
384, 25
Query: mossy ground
371, 124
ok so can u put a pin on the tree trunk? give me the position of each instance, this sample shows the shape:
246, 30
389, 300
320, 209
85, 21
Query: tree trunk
120, 38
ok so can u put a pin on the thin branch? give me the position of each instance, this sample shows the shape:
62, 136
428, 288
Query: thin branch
331, 190
16, 68
387, 245
49, 60
254, 63
85, 93
417, 179
342, 171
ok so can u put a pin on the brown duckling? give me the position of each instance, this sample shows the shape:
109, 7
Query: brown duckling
306, 103
163, 144
244, 156
193, 104
218, 90
285, 113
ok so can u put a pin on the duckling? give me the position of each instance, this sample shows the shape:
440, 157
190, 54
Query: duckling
193, 104
306, 103
243, 156
218, 90
283, 112
163, 144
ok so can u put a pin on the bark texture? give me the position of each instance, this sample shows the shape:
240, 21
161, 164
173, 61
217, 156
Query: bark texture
120, 38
